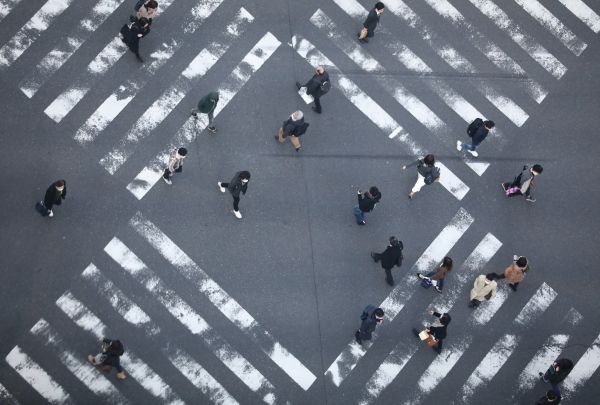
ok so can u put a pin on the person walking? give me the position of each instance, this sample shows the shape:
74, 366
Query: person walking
207, 105
54, 196
175, 164
390, 257
427, 173
478, 130
109, 357
317, 86
146, 9
515, 273
237, 185
556, 373
366, 203
132, 33
484, 288
293, 128
437, 330
368, 30
436, 278
371, 317
551, 398
524, 183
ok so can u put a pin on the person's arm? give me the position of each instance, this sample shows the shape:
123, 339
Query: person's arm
64, 192
360, 196
172, 164
244, 188
416, 162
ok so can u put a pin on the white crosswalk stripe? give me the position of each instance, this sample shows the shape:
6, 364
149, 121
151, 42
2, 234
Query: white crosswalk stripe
6, 6
584, 13
6, 397
485, 312
584, 369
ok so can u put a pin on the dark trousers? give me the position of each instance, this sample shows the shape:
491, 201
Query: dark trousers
388, 272
438, 347
317, 104
236, 200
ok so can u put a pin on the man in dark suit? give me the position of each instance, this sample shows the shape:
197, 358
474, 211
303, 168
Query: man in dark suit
391, 256
371, 22
371, 317
313, 86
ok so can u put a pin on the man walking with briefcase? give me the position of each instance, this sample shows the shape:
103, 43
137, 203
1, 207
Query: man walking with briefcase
368, 30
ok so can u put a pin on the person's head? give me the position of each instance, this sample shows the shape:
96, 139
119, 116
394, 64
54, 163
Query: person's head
551, 395
379, 315
379, 7
320, 69
445, 319
537, 169
245, 176
214, 95
60, 185
429, 160
151, 4
521, 261
143, 21
447, 263
116, 345
297, 115
181, 152
490, 277
489, 124
374, 192
395, 242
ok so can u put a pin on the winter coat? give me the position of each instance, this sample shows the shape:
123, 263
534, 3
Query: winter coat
236, 186
130, 35
371, 22
112, 356
148, 13
208, 103
369, 322
175, 162
481, 289
479, 135
290, 127
514, 274
391, 256
367, 204
440, 273
54, 196
438, 328
313, 87
564, 368
424, 169
527, 180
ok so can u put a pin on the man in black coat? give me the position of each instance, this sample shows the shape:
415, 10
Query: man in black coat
366, 203
437, 329
391, 256
371, 317
237, 185
315, 87
371, 22
132, 33
477, 133
556, 373
54, 196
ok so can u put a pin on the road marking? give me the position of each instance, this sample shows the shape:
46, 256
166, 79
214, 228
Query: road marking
6, 396
584, 13
189, 318
6, 6
537, 304
253, 60
584, 369
487, 309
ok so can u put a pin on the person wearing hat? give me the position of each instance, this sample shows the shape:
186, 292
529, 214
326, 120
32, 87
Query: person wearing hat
237, 185
390, 257
371, 317
551, 398
175, 164
54, 196
515, 273
484, 288
437, 329
366, 203
436, 277
207, 105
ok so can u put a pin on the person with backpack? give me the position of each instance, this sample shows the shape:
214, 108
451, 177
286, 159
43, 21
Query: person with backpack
317, 86
293, 128
109, 357
366, 203
390, 257
132, 33
207, 105
515, 273
371, 317
477, 131
175, 164
237, 185
427, 173
368, 30
54, 196
556, 373
146, 9
436, 278
524, 183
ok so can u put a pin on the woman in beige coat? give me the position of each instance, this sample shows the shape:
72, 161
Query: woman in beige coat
484, 288
515, 273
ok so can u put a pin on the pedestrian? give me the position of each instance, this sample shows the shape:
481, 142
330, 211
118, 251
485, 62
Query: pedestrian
146, 9
556, 373
293, 128
436, 278
477, 130
207, 105
368, 30
551, 398
390, 257
524, 183
371, 317
132, 33
515, 273
366, 203
427, 173
239, 183
484, 288
175, 164
437, 330
317, 86
109, 357
54, 196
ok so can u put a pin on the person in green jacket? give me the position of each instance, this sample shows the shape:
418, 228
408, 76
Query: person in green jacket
207, 105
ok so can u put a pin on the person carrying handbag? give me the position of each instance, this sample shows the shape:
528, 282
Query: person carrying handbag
435, 333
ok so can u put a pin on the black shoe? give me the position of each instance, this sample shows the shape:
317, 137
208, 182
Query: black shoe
298, 149
513, 287
437, 350
315, 110
364, 40
357, 337
212, 129
471, 304
298, 85
361, 223
391, 283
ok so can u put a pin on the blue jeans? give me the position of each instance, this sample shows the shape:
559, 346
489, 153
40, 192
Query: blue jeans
468, 146
440, 282
360, 216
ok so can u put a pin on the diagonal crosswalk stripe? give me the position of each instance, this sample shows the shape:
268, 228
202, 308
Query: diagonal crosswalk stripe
395, 301
376, 114
584, 13
189, 318
584, 369
223, 301
128, 309
37, 377
67, 47
31, 31
486, 311
258, 55
5, 396
539, 302
91, 377
521, 38
6, 6
136, 367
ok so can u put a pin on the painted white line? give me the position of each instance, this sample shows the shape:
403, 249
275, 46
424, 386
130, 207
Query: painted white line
128, 309
90, 376
521, 38
253, 60
5, 396
584, 369
542, 15
223, 301
395, 301
67, 47
540, 362
484, 313
374, 112
6, 6
584, 13
492, 51
489, 366
573, 317
37, 377
537, 304
135, 366
201, 379
189, 318
31, 31
120, 98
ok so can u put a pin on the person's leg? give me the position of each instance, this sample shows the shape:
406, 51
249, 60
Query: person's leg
359, 215
467, 146
418, 185
474, 303
317, 105
388, 277
513, 286
280, 137
438, 347
211, 117
376, 256
236, 202
296, 142
529, 195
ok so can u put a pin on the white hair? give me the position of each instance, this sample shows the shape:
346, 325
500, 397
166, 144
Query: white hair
297, 115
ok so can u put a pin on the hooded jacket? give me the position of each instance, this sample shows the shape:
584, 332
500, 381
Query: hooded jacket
391, 256
208, 103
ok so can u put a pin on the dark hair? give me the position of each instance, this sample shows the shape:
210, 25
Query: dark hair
182, 151
245, 175
491, 276
151, 4
447, 263
59, 183
522, 261
537, 168
143, 21
489, 124
379, 5
379, 313
445, 319
116, 345
551, 395
395, 242
429, 160
374, 191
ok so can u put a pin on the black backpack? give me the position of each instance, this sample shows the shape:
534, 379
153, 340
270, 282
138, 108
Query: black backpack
325, 86
474, 126
301, 129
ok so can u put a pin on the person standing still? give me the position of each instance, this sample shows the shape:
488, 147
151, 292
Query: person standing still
371, 317
515, 273
207, 105
317, 86
478, 130
54, 196
237, 185
368, 30
175, 164
427, 173
293, 129
390, 257
524, 183
366, 203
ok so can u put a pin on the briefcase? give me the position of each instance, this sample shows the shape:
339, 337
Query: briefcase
41, 208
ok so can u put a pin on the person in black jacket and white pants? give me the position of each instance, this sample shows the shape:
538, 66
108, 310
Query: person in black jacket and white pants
427, 173
390, 257
237, 185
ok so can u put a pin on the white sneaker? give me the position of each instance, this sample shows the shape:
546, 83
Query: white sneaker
168, 181
473, 152
51, 214
221, 187
458, 145
237, 214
